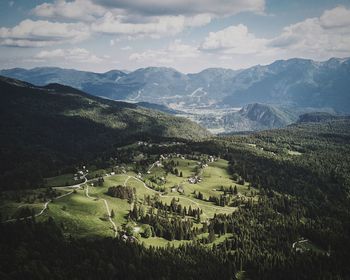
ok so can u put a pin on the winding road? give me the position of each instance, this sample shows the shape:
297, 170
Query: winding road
45, 206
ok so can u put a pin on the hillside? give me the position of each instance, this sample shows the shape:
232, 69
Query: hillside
44, 129
158, 107
319, 117
267, 115
294, 82
256, 116
93, 83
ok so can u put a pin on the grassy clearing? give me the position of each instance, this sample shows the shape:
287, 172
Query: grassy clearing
161, 242
307, 245
10, 209
294, 153
81, 216
62, 180
12, 203
120, 206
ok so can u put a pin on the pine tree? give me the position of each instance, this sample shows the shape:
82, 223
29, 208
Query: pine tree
135, 213
198, 219
211, 236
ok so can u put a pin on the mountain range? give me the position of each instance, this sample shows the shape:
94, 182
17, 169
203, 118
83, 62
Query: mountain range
299, 83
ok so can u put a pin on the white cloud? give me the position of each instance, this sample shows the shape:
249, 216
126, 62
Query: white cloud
154, 27
11, 3
317, 38
29, 33
152, 18
126, 48
189, 7
233, 47
335, 18
75, 55
178, 49
233, 40
79, 9
173, 52
122, 19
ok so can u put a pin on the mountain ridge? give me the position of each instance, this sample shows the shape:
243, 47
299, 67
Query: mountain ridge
293, 82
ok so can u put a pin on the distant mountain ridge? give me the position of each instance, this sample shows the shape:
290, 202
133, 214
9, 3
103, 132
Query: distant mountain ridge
294, 82
94, 83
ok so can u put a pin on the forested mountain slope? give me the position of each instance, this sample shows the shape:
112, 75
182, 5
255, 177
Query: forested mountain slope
45, 128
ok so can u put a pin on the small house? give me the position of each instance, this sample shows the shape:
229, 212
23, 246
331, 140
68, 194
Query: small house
180, 189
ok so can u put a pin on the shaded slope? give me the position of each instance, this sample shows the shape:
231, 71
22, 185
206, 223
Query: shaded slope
43, 129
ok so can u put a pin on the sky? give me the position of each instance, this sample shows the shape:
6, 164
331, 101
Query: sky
188, 35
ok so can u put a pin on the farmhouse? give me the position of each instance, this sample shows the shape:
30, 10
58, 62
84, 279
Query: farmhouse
194, 180
178, 189
211, 159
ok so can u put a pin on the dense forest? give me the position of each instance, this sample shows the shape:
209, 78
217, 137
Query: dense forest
24, 254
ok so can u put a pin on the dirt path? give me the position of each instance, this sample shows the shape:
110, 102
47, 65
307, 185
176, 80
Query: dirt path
115, 229
76, 186
149, 170
298, 242
42, 210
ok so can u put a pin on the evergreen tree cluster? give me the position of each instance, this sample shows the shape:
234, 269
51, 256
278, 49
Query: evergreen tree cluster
171, 228
122, 192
